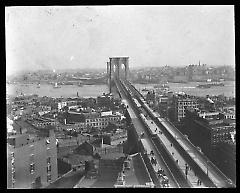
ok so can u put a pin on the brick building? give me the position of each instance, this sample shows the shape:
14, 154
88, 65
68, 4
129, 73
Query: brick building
214, 136
180, 103
31, 158
95, 120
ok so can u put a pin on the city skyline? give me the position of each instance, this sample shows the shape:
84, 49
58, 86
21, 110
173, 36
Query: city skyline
79, 37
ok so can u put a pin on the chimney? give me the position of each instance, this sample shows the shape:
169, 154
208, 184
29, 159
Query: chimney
101, 143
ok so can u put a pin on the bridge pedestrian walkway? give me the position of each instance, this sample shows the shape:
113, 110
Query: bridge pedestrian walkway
198, 157
191, 177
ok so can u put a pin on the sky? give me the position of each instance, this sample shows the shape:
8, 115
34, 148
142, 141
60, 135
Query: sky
59, 37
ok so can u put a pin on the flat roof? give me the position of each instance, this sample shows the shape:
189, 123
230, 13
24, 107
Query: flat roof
138, 173
108, 175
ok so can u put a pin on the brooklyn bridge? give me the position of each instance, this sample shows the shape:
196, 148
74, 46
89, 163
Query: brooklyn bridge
151, 134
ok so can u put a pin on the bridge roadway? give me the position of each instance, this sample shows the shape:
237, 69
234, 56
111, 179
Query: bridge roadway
207, 171
191, 176
176, 178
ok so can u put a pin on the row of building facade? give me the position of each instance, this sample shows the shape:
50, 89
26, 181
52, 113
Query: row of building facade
32, 158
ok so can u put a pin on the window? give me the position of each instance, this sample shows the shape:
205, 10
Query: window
48, 168
47, 141
13, 176
13, 168
31, 158
32, 168
48, 160
48, 178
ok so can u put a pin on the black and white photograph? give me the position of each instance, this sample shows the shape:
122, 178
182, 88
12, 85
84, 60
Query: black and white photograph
120, 96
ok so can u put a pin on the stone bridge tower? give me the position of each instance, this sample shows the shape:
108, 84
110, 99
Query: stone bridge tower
117, 68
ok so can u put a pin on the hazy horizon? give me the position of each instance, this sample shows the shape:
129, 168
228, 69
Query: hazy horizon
75, 37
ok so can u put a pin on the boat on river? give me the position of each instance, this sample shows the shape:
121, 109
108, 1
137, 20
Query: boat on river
163, 86
56, 85
209, 85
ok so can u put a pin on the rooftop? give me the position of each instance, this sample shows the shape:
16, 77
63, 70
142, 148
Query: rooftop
112, 156
230, 121
106, 113
108, 172
99, 145
138, 173
92, 115
67, 181
75, 117
76, 159
24, 127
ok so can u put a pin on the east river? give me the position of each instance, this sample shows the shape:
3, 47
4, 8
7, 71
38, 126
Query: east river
63, 91
191, 88
96, 90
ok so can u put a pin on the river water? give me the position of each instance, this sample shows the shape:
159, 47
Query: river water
65, 90
190, 88
96, 90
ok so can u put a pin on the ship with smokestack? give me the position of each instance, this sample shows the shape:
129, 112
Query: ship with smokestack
210, 84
